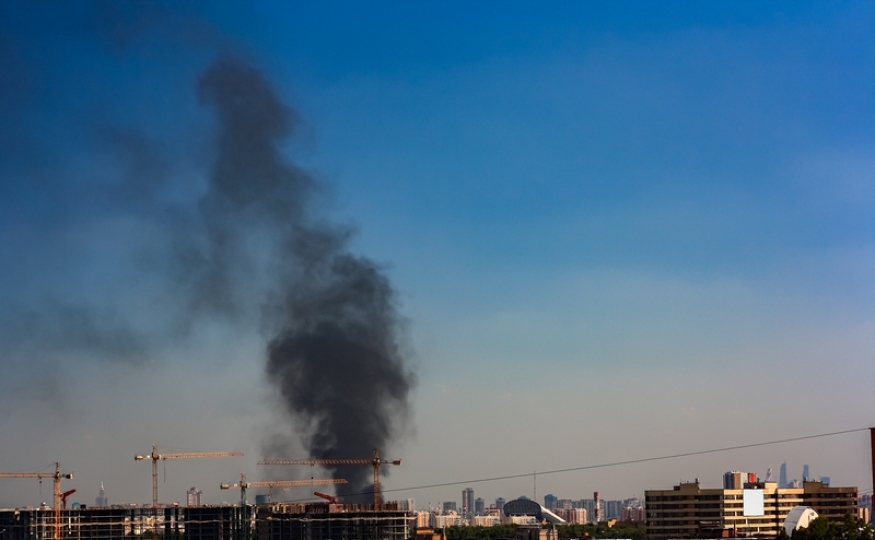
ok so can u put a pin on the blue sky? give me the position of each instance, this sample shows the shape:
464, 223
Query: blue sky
615, 232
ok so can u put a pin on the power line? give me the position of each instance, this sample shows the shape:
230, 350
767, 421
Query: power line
628, 462
617, 463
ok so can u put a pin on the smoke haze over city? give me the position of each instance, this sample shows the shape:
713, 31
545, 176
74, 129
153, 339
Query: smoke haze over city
490, 242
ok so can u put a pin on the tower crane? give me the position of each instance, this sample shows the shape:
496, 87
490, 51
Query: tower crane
376, 462
56, 476
155, 456
64, 496
244, 485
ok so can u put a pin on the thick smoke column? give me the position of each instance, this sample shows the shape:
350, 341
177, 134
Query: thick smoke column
334, 348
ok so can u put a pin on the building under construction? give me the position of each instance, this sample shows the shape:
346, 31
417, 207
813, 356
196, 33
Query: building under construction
314, 521
333, 521
92, 523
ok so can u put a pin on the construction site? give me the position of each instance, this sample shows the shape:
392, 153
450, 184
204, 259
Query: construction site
310, 521
332, 519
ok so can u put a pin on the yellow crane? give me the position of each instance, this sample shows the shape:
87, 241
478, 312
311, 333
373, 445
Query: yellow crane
155, 456
56, 477
244, 485
376, 462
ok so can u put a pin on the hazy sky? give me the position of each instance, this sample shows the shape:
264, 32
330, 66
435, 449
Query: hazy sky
615, 232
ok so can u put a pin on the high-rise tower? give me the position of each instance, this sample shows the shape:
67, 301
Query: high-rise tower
193, 497
101, 501
468, 502
782, 477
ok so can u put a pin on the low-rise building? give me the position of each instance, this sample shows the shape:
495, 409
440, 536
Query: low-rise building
759, 509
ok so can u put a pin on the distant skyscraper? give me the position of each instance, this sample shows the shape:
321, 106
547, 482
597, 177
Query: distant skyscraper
550, 501
449, 506
825, 479
499, 503
782, 477
589, 506
613, 509
805, 473
101, 500
468, 502
193, 497
479, 506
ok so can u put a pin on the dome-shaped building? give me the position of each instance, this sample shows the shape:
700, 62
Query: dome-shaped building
528, 507
798, 518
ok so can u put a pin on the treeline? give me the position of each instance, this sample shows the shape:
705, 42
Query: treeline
591, 530
823, 529
498, 532
564, 532
819, 529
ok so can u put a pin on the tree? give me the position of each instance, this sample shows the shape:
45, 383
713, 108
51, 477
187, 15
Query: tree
819, 528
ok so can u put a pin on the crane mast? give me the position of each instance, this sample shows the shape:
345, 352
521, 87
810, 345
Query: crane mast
57, 476
155, 456
376, 462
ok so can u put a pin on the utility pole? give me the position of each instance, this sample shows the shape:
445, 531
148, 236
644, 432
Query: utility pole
872, 449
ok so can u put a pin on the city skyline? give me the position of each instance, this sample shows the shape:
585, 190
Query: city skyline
457, 505
587, 234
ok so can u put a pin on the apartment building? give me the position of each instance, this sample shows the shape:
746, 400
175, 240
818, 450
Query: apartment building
758, 509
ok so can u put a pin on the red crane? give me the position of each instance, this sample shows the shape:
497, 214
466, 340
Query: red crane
64, 496
325, 496
56, 477
376, 462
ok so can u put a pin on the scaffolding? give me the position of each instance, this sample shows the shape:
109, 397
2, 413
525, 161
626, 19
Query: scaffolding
324, 521
313, 521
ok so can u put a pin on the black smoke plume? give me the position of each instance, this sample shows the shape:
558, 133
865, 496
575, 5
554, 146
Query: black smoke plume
333, 351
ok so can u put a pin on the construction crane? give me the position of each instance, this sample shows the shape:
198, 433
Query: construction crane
56, 476
325, 496
64, 496
244, 485
376, 462
155, 456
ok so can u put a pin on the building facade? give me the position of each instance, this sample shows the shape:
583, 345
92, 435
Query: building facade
759, 509
467, 502
634, 514
575, 516
193, 497
479, 507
